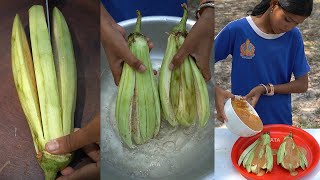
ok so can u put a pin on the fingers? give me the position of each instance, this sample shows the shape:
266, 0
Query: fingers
116, 69
132, 61
90, 171
225, 94
221, 118
116, 77
203, 65
220, 98
115, 66
121, 30
221, 105
248, 96
219, 102
254, 102
230, 95
220, 112
93, 151
205, 70
252, 97
150, 44
66, 144
178, 58
67, 171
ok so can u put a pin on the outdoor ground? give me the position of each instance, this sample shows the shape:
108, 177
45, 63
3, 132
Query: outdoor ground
305, 106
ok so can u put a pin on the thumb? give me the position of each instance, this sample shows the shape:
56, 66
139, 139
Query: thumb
66, 144
134, 62
178, 59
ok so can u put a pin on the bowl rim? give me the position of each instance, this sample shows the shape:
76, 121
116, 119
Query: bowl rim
155, 18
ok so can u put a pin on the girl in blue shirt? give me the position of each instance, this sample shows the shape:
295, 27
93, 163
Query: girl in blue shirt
267, 49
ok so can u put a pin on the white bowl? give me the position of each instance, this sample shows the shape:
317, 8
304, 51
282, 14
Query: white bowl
235, 125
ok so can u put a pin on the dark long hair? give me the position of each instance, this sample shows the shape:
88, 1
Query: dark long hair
297, 7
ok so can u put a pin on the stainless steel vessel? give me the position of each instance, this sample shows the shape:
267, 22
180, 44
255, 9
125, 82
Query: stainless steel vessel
176, 153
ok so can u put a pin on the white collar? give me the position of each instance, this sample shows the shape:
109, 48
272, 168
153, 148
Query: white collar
259, 32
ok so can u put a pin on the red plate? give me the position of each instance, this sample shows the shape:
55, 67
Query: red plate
277, 133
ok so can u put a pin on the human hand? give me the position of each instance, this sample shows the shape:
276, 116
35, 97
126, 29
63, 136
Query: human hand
253, 96
198, 44
114, 42
220, 98
86, 138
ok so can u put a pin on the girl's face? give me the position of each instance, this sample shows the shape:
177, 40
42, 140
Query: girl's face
282, 21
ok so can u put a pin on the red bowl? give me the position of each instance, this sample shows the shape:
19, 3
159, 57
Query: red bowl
277, 133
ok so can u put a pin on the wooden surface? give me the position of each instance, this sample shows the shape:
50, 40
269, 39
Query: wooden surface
16, 146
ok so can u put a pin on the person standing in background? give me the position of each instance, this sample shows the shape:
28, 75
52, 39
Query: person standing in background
267, 49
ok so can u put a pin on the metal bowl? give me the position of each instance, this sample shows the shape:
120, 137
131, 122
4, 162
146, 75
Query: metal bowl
176, 153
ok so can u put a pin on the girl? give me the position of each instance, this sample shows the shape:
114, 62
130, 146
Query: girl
267, 49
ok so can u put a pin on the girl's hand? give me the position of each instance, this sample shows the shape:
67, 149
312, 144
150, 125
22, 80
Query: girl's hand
220, 98
253, 96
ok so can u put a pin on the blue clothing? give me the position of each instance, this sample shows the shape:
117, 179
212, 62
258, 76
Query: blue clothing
122, 10
259, 58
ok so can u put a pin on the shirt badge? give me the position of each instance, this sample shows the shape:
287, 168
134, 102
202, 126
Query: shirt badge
247, 50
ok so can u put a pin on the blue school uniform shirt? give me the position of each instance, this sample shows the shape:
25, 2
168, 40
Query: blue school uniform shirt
260, 58
122, 10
